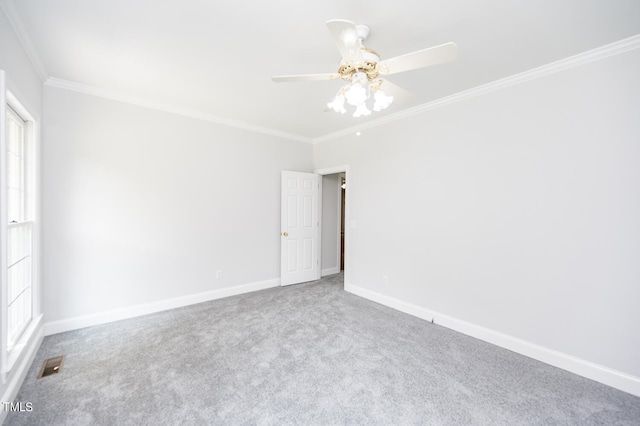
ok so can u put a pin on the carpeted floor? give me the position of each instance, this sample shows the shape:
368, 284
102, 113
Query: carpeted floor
306, 354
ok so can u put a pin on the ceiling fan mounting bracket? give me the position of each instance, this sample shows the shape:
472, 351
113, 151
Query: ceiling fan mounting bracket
363, 31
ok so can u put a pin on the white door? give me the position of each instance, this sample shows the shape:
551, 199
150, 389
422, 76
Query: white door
299, 236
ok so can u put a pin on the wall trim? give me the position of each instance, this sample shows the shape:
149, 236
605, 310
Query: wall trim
599, 373
580, 59
146, 103
330, 271
60, 326
20, 370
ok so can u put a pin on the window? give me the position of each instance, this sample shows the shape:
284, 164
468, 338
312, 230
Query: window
20, 228
20, 313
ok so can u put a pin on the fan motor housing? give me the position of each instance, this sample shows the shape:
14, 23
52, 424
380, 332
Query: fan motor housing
370, 69
369, 66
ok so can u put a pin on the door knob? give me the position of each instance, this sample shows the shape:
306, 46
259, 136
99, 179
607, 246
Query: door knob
286, 234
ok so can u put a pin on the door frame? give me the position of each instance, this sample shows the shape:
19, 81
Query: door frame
330, 171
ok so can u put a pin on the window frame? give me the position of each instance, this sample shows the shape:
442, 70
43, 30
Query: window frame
21, 220
9, 357
23, 216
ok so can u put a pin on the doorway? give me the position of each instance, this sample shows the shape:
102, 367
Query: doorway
343, 199
334, 233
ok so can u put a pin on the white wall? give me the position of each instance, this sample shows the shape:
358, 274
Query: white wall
23, 81
143, 206
330, 223
516, 211
21, 77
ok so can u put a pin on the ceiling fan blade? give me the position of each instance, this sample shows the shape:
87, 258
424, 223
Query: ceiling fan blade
305, 77
346, 38
400, 96
422, 58
339, 28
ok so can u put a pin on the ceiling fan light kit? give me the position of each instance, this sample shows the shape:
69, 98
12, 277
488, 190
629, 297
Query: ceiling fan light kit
358, 93
362, 67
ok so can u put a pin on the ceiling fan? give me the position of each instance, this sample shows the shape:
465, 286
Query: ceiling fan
363, 68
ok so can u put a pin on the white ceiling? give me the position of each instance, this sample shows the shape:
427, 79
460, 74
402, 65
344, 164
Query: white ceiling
217, 57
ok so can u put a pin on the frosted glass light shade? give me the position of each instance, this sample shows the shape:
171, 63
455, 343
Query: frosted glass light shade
362, 110
338, 104
356, 94
382, 100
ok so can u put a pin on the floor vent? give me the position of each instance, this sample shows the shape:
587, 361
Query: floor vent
51, 366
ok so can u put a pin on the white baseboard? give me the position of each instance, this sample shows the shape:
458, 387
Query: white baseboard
53, 327
330, 271
590, 370
21, 368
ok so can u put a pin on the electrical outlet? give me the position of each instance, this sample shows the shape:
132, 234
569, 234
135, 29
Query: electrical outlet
385, 280
219, 274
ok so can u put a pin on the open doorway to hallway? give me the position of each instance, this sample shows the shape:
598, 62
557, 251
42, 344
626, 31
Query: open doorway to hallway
343, 200
334, 207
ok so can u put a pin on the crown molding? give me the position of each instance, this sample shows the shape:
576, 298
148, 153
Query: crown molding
123, 97
18, 28
580, 59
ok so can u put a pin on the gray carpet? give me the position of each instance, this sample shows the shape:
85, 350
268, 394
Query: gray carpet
307, 354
